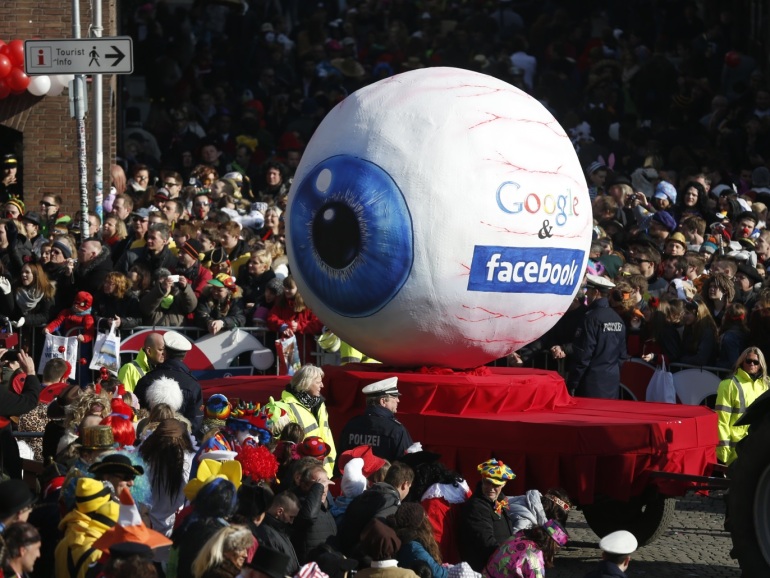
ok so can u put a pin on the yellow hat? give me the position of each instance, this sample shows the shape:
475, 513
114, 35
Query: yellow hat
210, 470
90, 495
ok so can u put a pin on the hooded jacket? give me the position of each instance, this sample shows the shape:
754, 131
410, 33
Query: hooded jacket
379, 501
74, 553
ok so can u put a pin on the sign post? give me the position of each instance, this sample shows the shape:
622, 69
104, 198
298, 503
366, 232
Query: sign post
110, 55
83, 56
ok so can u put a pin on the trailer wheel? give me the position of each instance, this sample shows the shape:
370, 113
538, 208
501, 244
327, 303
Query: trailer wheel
749, 502
646, 516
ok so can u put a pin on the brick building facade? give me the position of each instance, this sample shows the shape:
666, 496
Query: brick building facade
40, 129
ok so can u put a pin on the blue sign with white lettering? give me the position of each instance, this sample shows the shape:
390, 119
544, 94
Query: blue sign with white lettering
525, 270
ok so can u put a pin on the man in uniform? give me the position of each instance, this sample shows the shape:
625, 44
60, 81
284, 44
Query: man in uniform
616, 555
378, 427
599, 347
173, 367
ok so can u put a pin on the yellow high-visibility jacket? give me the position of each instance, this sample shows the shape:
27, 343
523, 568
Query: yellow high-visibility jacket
312, 426
734, 395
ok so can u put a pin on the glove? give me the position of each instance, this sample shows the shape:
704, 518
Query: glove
20, 322
5, 285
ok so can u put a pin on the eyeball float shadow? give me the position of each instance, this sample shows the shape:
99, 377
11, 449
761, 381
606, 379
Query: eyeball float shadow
439, 217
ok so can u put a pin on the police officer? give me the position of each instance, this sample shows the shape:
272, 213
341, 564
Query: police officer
599, 347
617, 548
176, 347
378, 427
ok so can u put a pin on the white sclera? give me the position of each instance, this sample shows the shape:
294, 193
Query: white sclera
451, 140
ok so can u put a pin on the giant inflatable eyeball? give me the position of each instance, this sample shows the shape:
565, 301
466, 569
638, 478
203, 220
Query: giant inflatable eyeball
439, 217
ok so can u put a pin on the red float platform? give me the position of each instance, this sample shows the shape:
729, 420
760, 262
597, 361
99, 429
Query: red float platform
526, 418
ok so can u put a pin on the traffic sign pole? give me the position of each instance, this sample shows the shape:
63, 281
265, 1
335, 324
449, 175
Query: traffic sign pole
79, 95
96, 31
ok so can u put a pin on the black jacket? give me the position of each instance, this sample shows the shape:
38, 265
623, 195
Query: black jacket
606, 570
109, 306
190, 538
163, 260
191, 390
90, 277
272, 533
208, 310
314, 525
65, 286
482, 530
379, 501
253, 286
600, 349
38, 316
379, 428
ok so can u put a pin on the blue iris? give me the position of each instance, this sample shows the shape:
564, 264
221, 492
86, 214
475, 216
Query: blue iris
351, 234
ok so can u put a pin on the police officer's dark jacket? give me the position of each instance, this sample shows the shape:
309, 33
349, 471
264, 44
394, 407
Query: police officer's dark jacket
379, 428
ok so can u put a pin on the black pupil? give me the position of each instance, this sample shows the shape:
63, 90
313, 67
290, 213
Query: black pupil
336, 235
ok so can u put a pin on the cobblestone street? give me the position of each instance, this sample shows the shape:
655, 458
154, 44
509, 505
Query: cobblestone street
695, 545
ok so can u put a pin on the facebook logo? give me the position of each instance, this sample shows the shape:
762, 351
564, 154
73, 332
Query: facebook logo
525, 270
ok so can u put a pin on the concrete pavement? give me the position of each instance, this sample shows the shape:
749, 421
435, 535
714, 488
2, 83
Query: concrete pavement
695, 545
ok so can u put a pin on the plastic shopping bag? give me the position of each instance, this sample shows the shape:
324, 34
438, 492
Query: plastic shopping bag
58, 347
288, 355
661, 387
107, 351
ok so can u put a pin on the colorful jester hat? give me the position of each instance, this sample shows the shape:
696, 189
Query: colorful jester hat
496, 472
278, 414
247, 416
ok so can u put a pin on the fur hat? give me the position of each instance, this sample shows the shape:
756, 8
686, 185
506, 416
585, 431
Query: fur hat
165, 390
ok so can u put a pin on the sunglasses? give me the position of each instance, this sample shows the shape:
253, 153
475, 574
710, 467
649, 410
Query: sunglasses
202, 204
46, 205
169, 184
751, 361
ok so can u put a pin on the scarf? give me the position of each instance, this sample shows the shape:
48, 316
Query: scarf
82, 313
27, 299
309, 401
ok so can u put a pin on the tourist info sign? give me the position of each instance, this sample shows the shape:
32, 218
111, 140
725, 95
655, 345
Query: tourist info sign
111, 55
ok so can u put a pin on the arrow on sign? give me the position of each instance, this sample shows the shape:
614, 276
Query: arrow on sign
117, 55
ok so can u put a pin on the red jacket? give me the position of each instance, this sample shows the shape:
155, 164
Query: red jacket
283, 313
69, 320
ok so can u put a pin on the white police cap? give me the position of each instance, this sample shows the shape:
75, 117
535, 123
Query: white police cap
599, 282
388, 386
176, 341
621, 543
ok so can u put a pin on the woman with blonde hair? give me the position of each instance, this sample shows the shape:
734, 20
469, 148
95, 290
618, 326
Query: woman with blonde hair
736, 393
224, 554
308, 408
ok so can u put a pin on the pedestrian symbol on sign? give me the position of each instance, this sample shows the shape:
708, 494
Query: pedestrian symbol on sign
94, 57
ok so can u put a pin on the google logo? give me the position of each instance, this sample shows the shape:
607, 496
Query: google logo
559, 206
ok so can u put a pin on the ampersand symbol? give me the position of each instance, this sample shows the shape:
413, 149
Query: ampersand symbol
545, 231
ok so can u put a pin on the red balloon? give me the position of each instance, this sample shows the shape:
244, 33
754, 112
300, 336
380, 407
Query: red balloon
732, 59
2, 45
5, 90
5, 65
17, 80
16, 52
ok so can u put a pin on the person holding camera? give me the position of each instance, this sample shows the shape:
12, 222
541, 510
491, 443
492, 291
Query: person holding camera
18, 395
168, 301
